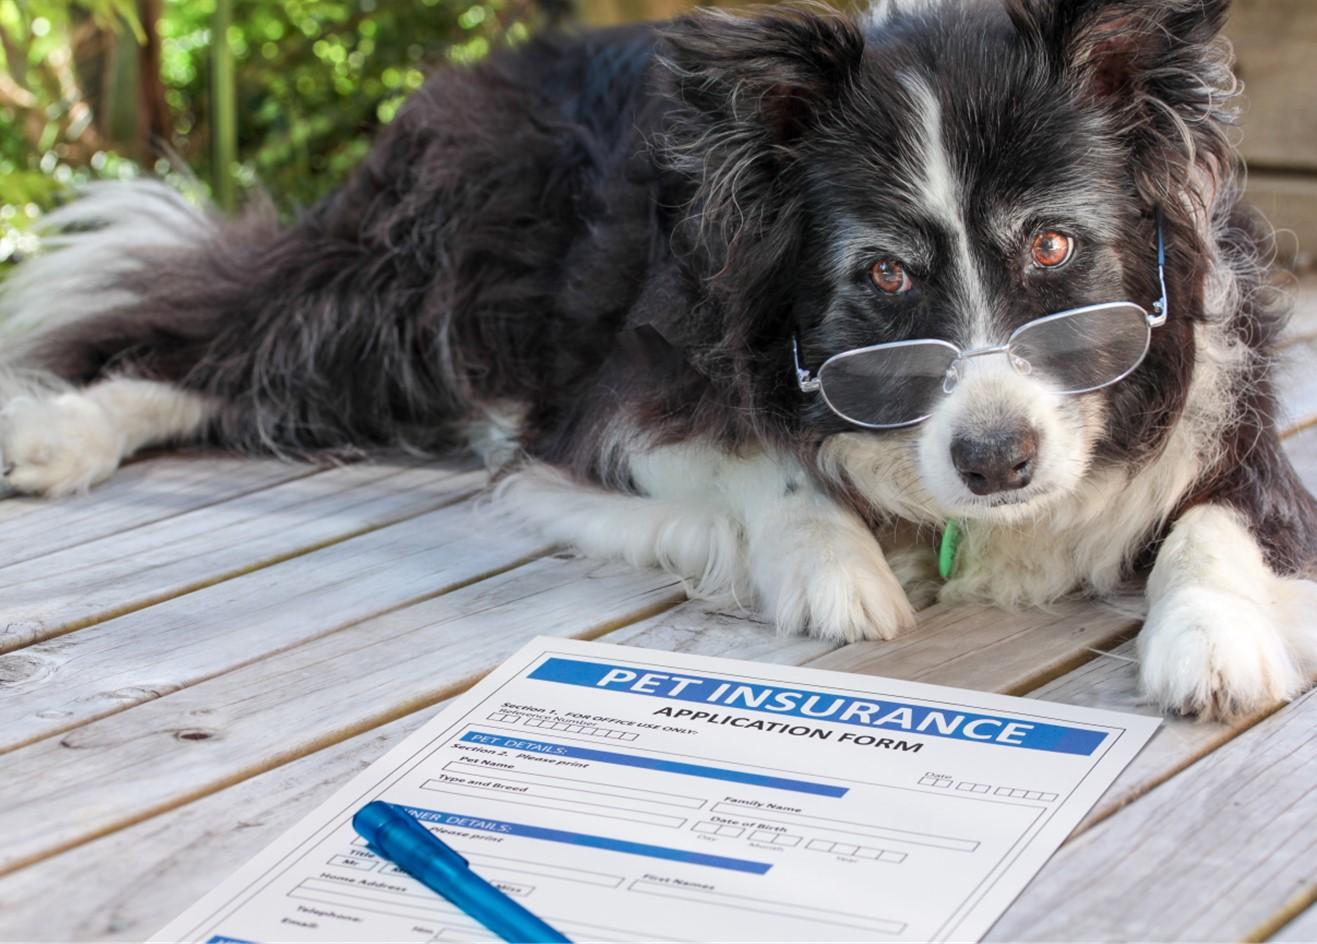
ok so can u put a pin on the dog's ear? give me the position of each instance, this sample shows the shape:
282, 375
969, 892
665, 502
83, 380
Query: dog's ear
770, 73
1157, 67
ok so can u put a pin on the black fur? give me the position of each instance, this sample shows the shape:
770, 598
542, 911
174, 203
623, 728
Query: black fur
633, 223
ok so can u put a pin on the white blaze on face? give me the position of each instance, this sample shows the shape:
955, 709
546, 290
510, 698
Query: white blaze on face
942, 196
991, 397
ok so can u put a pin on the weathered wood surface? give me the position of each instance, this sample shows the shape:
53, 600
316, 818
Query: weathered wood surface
1209, 855
982, 648
1275, 44
141, 493
180, 855
235, 725
1289, 204
64, 590
343, 605
164, 648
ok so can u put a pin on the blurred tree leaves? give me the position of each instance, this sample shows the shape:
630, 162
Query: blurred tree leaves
112, 88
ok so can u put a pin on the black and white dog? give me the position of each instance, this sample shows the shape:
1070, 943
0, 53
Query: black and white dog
623, 265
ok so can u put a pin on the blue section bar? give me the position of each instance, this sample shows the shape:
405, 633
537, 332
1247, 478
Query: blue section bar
459, 821
877, 715
653, 763
221, 939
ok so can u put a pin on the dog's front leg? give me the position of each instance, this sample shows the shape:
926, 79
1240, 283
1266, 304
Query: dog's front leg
1224, 635
815, 565
719, 522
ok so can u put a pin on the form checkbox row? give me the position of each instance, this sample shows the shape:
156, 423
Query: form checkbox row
548, 724
859, 852
1025, 794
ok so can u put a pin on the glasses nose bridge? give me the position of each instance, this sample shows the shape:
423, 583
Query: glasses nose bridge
953, 376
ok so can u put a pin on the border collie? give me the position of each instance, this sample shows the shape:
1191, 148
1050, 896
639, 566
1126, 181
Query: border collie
753, 298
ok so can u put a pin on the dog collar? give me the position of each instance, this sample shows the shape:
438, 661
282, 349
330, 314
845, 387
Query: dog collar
946, 552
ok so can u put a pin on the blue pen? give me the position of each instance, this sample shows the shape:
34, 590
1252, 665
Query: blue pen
396, 835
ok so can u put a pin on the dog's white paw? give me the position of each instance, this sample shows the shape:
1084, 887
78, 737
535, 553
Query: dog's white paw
57, 446
846, 598
1215, 654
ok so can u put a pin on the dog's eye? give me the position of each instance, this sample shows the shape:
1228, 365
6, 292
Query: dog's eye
890, 277
1052, 249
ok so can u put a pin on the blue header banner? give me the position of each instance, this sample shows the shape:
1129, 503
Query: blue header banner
653, 763
902, 717
484, 824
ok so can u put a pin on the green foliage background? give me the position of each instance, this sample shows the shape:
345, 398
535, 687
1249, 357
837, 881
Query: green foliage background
313, 80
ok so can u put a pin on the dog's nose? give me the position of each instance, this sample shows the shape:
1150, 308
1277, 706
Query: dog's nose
999, 462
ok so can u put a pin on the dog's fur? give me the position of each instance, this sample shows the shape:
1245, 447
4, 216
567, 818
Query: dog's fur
586, 259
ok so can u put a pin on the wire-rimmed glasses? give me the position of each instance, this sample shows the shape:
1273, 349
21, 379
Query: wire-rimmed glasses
887, 386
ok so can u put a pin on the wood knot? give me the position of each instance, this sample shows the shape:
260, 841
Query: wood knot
15, 669
194, 734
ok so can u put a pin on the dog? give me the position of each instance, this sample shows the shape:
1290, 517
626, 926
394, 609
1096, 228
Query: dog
745, 296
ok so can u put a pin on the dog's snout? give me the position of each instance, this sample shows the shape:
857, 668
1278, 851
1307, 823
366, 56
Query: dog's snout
999, 462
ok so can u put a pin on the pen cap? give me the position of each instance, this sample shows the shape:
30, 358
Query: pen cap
397, 836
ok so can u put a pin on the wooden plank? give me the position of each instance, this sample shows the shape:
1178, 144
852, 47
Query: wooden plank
1275, 43
1289, 203
707, 629
1211, 854
45, 596
55, 686
135, 764
987, 649
139, 494
180, 855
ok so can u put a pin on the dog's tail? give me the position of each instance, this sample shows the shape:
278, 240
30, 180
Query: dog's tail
87, 245
89, 250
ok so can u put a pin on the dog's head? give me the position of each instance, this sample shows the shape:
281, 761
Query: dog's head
953, 169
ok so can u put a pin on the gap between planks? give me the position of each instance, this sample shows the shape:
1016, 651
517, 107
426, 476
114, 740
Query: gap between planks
143, 492
130, 571
1295, 925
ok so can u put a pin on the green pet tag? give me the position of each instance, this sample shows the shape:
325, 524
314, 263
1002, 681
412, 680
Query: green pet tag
946, 552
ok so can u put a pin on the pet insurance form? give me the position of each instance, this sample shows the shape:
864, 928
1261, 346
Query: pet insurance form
631, 795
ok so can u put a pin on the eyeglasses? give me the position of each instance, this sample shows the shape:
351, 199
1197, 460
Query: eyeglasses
887, 386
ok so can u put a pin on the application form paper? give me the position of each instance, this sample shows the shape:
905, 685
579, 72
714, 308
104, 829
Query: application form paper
631, 795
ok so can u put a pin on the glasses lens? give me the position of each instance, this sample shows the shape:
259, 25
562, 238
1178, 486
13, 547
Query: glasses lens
887, 386
1083, 350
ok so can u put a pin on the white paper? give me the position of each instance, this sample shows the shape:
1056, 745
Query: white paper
624, 794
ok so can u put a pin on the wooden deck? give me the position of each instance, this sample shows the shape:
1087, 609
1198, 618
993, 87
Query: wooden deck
204, 647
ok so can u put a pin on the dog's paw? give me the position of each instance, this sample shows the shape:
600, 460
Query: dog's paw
57, 446
1215, 654
846, 598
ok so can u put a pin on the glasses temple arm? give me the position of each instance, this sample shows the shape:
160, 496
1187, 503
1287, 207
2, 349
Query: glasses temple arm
1161, 306
806, 383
